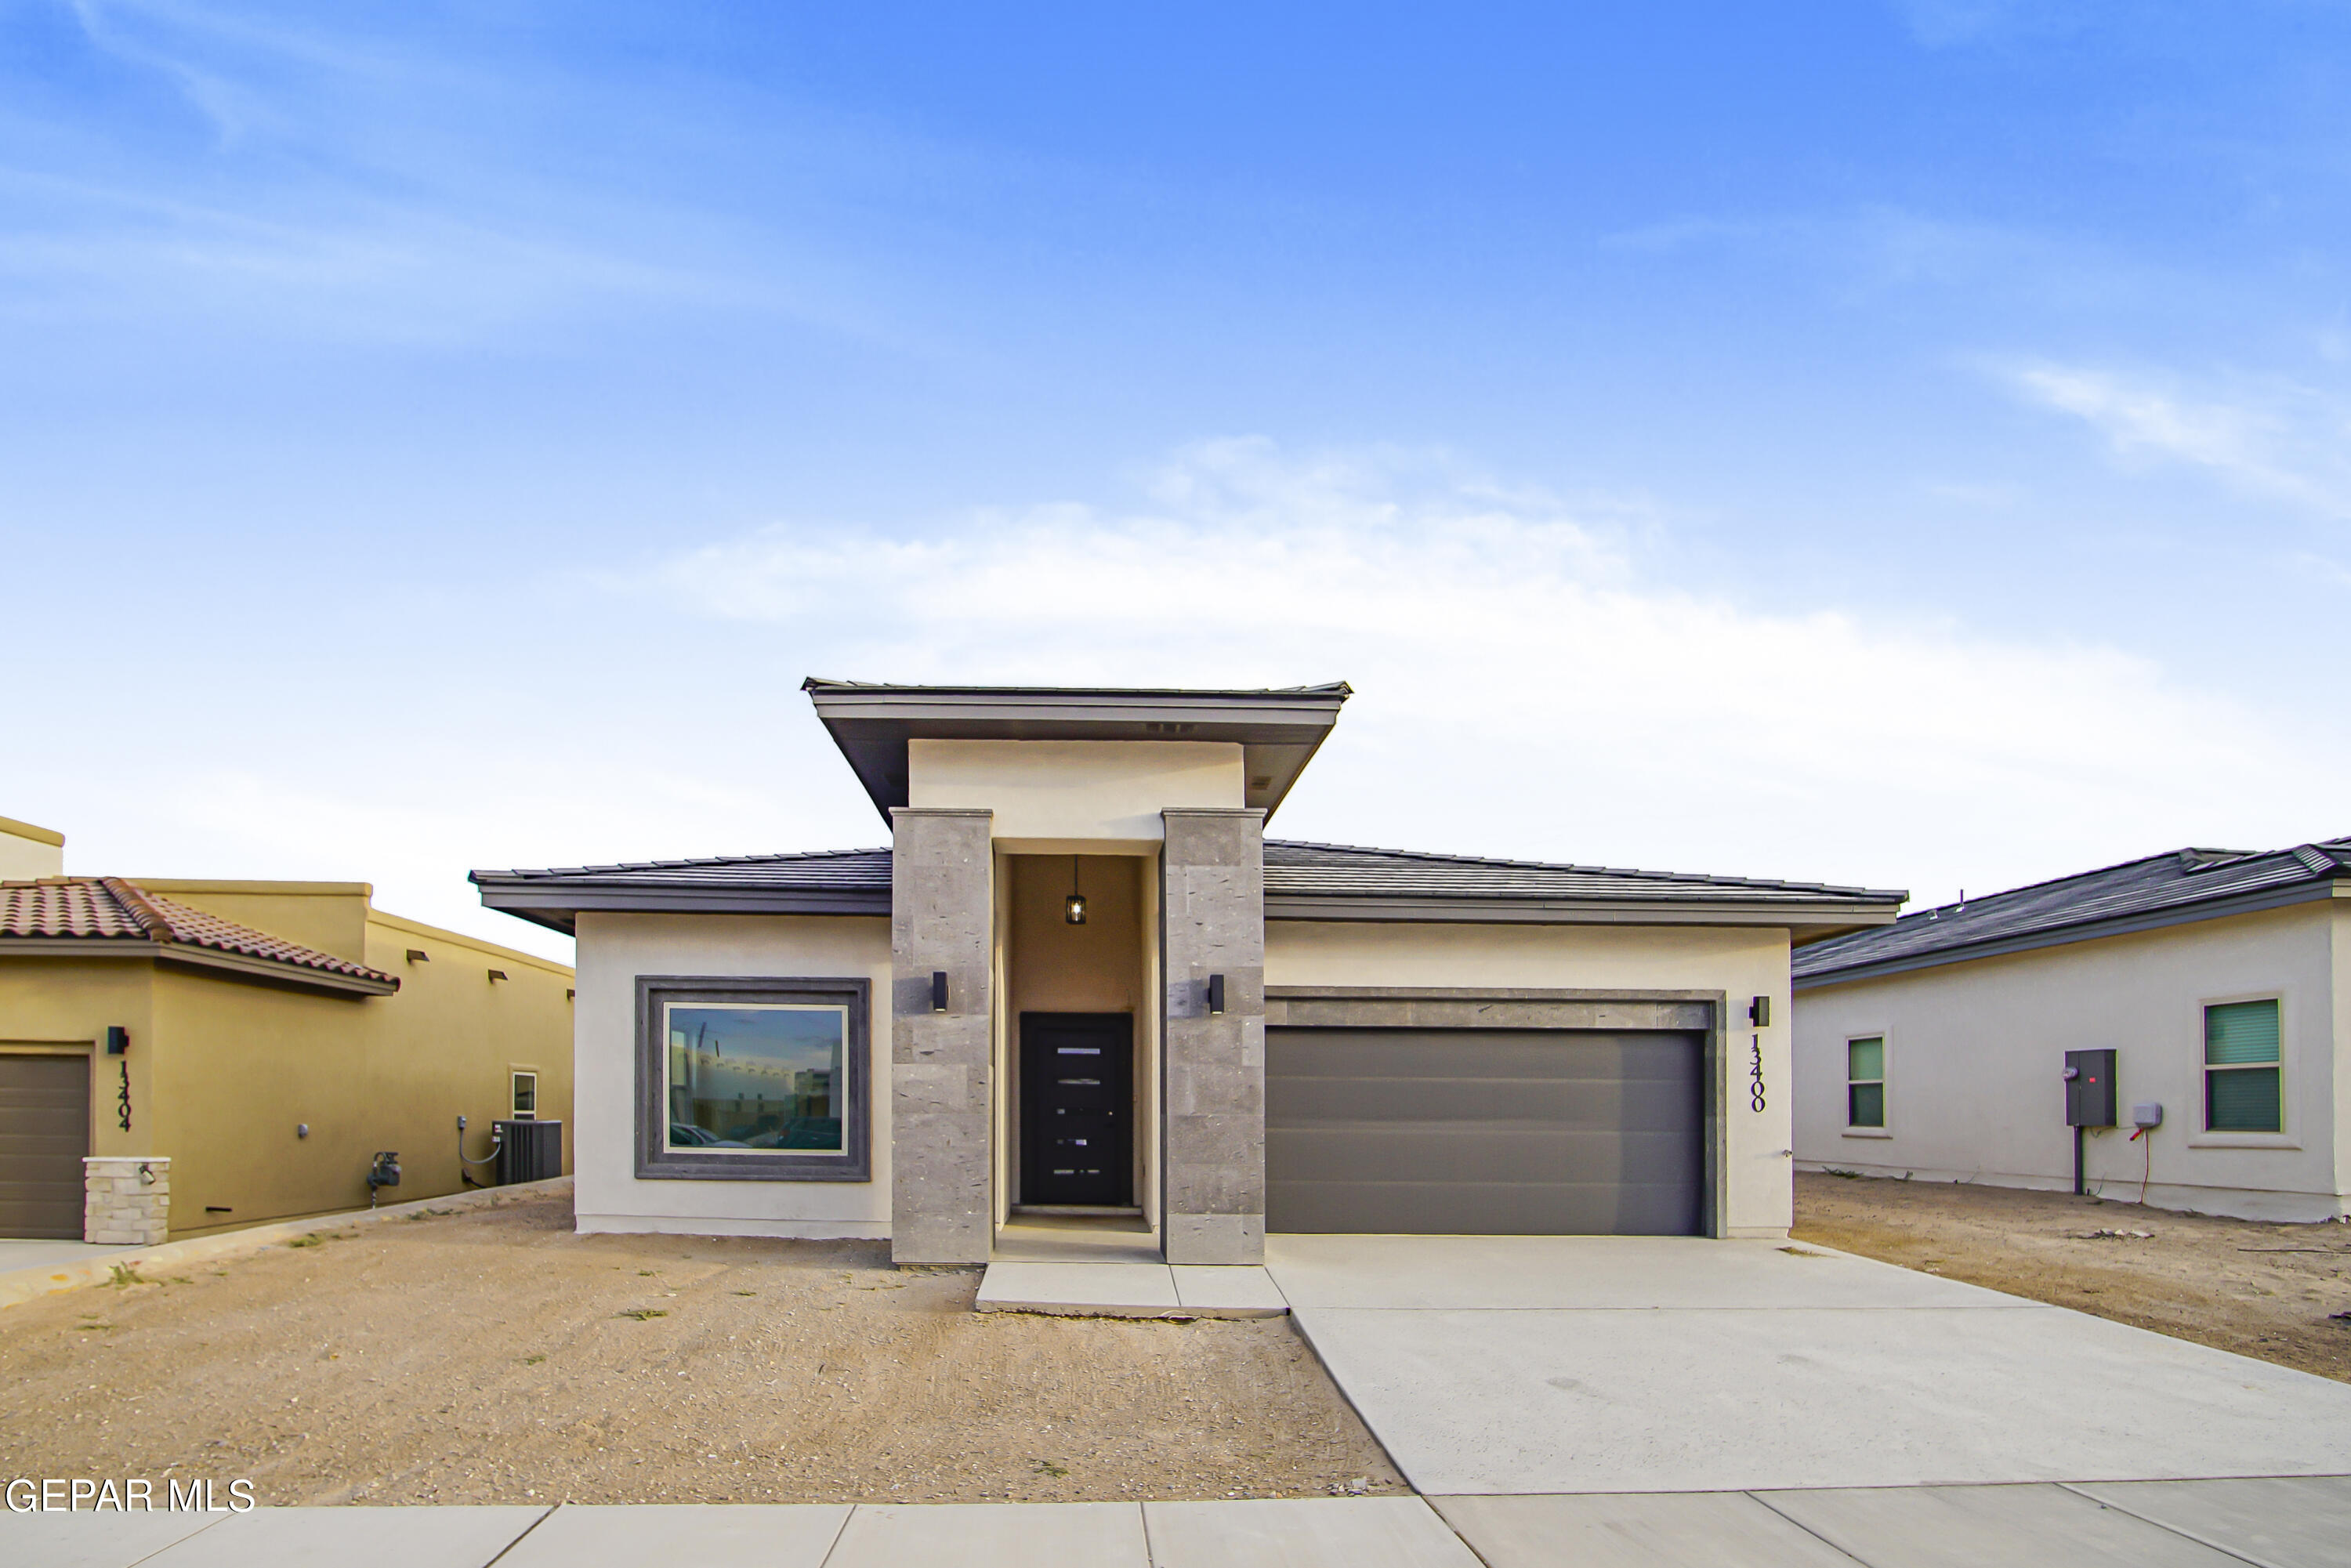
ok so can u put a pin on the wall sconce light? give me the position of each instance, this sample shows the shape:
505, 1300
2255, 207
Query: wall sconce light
497, 974
1073, 909
938, 990
1759, 1013
118, 1041
419, 956
1215, 996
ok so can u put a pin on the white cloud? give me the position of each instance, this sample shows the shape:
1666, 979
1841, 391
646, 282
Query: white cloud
2269, 436
1527, 686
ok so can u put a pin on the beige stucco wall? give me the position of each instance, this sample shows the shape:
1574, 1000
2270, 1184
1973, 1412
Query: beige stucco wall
1050, 795
613, 950
1974, 1053
28, 852
1741, 962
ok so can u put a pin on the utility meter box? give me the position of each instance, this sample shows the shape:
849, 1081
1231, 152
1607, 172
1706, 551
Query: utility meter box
2089, 1088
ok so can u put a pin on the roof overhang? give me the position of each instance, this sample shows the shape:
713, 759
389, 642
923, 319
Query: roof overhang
558, 906
207, 960
1278, 731
1810, 922
2252, 903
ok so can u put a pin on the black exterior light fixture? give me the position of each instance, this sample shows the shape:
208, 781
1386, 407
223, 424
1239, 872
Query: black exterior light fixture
1215, 996
938, 990
1073, 909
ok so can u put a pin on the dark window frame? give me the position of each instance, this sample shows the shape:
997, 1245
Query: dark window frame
658, 1162
2274, 1067
1852, 1083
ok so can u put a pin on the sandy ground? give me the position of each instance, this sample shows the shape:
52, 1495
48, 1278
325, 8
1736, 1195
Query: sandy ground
494, 1356
2264, 1290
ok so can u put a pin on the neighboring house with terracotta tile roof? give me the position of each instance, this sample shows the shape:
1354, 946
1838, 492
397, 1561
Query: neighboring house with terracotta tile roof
2221, 979
268, 1038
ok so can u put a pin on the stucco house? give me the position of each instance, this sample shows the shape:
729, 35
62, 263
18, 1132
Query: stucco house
230, 1052
1936, 1047
1081, 980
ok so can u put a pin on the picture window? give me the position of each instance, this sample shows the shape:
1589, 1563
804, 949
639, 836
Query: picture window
751, 1079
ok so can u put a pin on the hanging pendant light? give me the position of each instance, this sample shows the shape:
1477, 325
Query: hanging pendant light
1073, 909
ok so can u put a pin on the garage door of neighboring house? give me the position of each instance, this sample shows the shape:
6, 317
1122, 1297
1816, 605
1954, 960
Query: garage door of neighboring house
44, 1133
1485, 1132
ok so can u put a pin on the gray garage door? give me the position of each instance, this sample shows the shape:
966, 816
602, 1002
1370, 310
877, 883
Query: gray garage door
44, 1133
1484, 1132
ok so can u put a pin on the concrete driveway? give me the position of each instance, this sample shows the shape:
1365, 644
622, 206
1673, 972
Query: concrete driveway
1633, 1364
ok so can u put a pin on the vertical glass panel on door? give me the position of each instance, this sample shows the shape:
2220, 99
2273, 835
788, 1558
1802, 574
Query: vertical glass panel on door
757, 1076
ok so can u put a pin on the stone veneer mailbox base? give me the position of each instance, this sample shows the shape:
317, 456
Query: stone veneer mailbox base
126, 1200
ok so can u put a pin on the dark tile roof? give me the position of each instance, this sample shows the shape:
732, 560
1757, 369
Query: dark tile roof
1296, 869
103, 908
854, 871
2165, 889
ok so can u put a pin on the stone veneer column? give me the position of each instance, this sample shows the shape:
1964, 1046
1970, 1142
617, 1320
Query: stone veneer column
1212, 1201
126, 1200
942, 915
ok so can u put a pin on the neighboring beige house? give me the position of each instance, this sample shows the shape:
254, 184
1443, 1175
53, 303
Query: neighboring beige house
1935, 1048
268, 1038
1081, 982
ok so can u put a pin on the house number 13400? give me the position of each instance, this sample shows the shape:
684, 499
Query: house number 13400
1755, 1075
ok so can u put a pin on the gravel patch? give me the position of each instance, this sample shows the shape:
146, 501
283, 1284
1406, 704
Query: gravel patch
496, 1357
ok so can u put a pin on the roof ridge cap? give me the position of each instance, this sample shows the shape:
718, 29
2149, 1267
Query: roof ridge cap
143, 913
2044, 881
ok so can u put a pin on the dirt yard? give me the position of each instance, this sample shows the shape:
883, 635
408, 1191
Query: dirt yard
493, 1356
2265, 1291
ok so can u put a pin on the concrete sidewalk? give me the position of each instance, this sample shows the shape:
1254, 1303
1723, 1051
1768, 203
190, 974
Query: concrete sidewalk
1308, 1533
2298, 1523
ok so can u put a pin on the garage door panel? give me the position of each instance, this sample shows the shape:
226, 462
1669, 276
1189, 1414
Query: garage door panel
1502, 1209
1356, 1054
44, 1133
1484, 1132
1523, 1154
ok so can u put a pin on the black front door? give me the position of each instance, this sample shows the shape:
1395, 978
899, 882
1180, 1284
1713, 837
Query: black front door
1077, 1109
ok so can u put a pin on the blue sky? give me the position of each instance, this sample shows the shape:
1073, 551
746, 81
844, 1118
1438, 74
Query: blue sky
1907, 444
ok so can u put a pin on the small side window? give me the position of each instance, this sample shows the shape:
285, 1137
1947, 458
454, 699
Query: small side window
526, 1096
2241, 1066
1864, 1082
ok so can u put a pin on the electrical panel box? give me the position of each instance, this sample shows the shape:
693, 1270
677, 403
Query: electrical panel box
2089, 1088
2147, 1116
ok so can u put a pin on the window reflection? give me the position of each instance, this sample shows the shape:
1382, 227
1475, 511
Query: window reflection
757, 1076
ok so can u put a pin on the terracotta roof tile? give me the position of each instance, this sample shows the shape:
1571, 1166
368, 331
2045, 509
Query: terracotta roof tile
106, 908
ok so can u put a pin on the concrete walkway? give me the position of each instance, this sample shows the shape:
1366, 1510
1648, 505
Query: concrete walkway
2299, 1522
1095, 1267
1581, 1364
